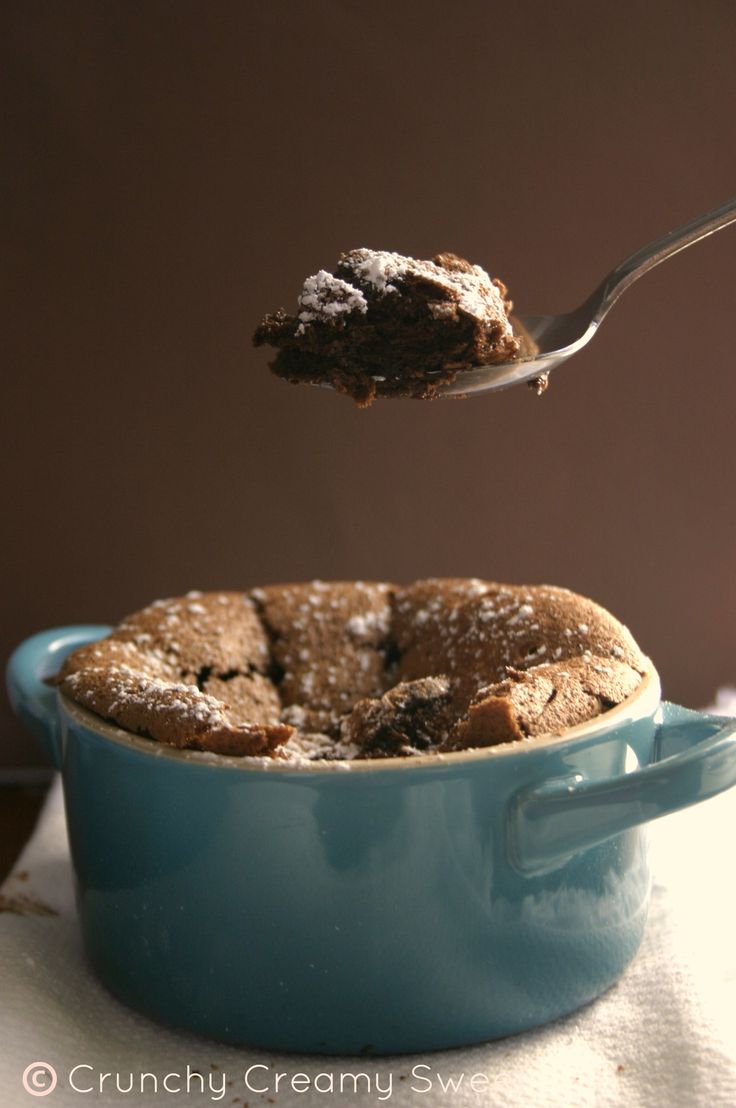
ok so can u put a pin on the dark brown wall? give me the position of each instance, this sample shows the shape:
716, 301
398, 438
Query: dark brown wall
179, 167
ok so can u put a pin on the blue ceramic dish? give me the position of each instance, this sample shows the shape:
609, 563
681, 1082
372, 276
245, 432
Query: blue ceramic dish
377, 906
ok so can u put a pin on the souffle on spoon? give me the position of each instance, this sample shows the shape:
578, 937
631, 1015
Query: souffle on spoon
386, 325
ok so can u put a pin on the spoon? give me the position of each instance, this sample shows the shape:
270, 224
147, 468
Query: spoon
555, 338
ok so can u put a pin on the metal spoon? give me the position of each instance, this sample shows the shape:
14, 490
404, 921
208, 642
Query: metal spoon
558, 337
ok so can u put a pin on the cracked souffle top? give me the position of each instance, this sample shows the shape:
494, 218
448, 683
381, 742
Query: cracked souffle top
387, 325
347, 670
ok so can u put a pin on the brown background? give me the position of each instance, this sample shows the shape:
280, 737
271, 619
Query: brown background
178, 168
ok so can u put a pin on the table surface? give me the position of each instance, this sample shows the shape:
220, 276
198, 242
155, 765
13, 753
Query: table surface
20, 805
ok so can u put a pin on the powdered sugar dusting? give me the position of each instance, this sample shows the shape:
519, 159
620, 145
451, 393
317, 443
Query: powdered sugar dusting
468, 289
378, 267
326, 297
367, 623
471, 291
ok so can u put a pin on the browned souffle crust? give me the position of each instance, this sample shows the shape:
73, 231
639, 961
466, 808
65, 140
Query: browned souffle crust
346, 670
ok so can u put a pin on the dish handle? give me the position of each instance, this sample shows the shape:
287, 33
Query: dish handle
693, 758
39, 657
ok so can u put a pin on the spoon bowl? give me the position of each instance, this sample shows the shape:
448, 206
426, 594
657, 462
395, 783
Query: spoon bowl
551, 339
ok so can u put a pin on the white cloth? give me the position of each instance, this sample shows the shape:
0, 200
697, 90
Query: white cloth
665, 1035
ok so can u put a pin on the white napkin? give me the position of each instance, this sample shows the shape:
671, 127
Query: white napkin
665, 1035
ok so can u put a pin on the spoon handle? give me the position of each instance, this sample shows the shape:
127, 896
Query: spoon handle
630, 270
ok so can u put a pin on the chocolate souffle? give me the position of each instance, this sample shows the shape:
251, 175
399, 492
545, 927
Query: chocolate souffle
352, 670
383, 324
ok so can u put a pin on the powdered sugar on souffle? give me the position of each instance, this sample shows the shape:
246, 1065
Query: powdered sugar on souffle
327, 297
471, 292
335, 671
